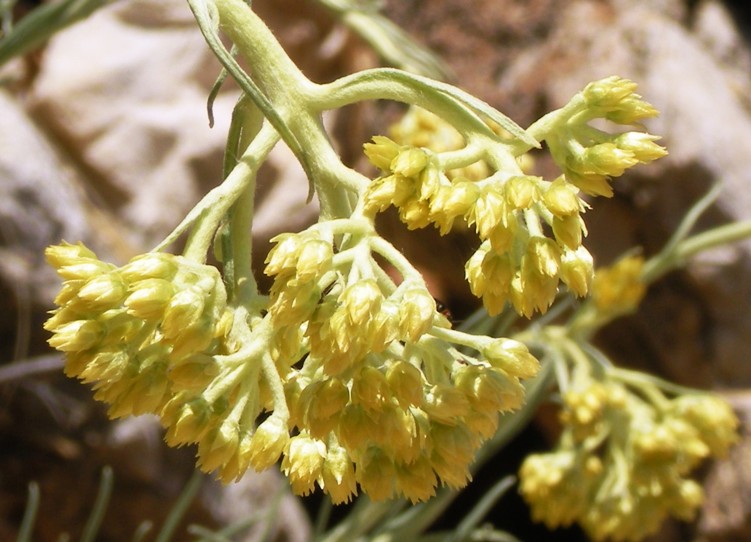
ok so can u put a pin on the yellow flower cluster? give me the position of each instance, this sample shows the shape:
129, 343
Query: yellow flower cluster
155, 336
376, 392
378, 396
589, 157
621, 465
138, 331
516, 260
619, 289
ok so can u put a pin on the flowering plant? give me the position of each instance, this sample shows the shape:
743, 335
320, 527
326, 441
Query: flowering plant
351, 375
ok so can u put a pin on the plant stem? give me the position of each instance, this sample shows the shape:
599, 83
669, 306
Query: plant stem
661, 264
224, 196
293, 98
180, 507
30, 513
91, 529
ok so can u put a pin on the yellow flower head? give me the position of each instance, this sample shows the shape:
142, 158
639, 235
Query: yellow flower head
619, 288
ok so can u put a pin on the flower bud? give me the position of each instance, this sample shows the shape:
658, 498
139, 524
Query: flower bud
360, 302
152, 265
106, 364
415, 214
521, 191
382, 152
283, 255
713, 418
445, 404
268, 442
490, 211
186, 422
590, 183
338, 475
498, 269
503, 235
642, 146
149, 298
76, 336
461, 196
303, 462
608, 93
370, 389
561, 199
605, 159
542, 256
416, 481
323, 403
405, 383
409, 162
619, 288
84, 269
65, 254
217, 447
356, 427
511, 356
193, 372
104, 291
416, 313
453, 451
478, 283
429, 182
631, 110
568, 231
314, 259
577, 270
691, 497
183, 311
375, 473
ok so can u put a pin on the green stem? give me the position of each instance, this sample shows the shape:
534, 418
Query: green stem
26, 528
91, 529
550, 122
460, 158
40, 24
208, 18
475, 342
217, 203
360, 520
181, 506
638, 379
395, 258
663, 263
292, 99
241, 238
276, 387
391, 84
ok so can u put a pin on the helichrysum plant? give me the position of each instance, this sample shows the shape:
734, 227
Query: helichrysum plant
351, 378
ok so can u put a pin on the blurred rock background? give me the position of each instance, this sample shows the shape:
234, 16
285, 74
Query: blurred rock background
104, 138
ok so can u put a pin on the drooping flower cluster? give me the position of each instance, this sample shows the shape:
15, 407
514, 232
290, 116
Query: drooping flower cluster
530, 229
588, 156
374, 389
156, 336
136, 330
378, 394
622, 463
